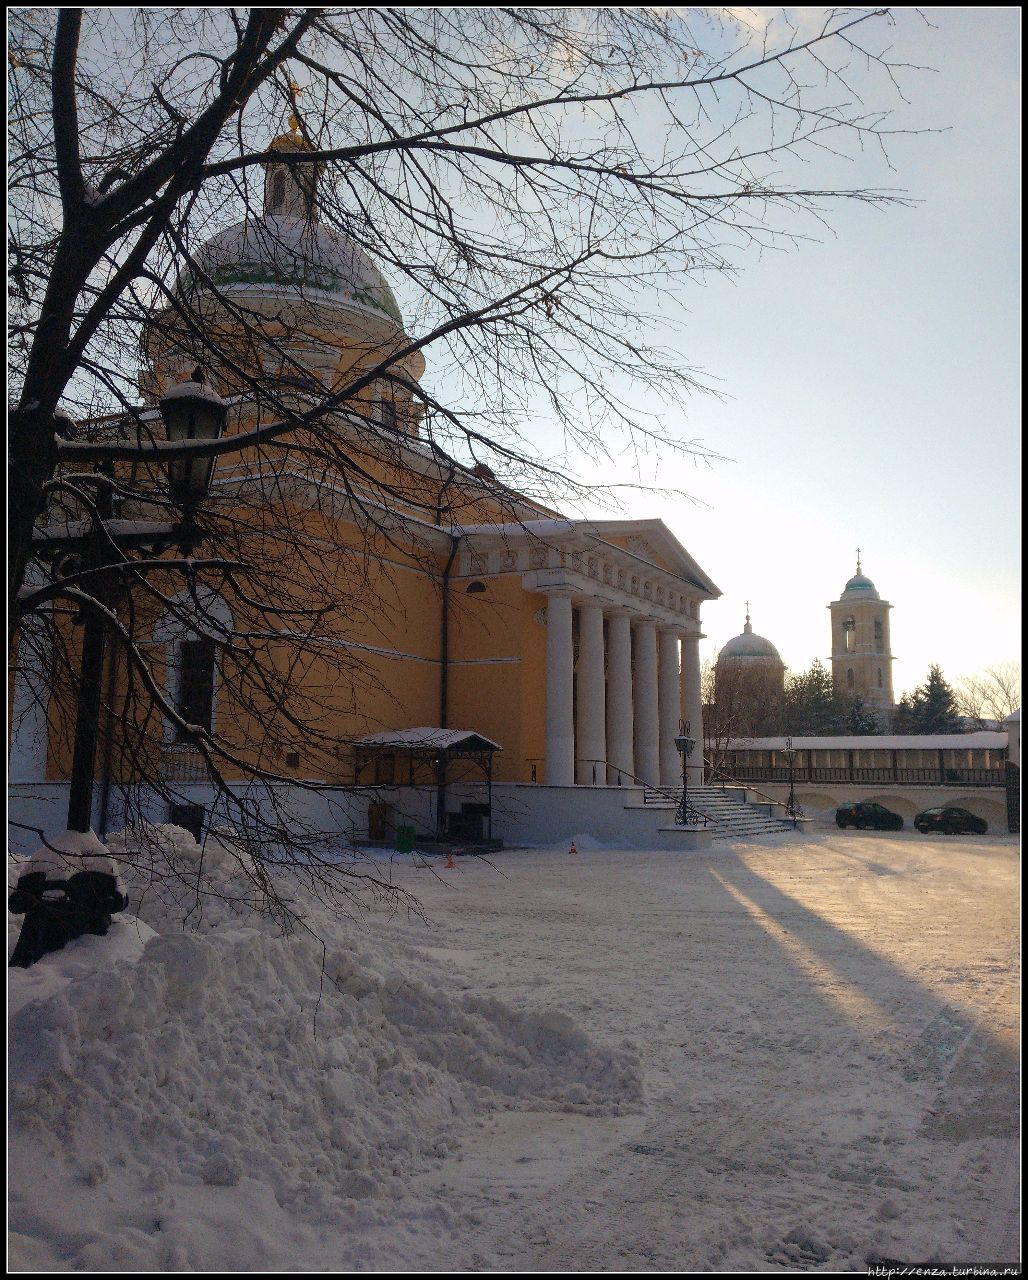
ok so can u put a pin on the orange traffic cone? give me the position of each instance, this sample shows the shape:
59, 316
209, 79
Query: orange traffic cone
572, 849
450, 864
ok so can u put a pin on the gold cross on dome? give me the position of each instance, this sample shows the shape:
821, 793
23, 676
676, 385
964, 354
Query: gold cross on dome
294, 120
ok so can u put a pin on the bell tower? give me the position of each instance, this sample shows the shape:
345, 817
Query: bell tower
861, 649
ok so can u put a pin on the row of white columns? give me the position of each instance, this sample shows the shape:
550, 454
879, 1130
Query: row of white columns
628, 720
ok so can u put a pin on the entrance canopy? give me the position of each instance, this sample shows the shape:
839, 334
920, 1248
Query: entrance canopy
430, 750
421, 746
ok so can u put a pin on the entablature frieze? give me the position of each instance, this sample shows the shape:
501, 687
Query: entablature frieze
613, 568
672, 612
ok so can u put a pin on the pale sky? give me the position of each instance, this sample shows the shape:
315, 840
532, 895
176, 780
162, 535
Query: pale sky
874, 382
872, 387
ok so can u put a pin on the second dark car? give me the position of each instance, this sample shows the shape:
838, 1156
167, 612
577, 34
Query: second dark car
867, 815
950, 822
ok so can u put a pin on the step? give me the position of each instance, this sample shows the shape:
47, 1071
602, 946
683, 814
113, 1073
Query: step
731, 815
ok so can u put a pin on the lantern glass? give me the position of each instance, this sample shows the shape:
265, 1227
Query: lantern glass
192, 410
684, 745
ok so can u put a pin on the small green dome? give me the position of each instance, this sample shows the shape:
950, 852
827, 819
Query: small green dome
749, 645
861, 588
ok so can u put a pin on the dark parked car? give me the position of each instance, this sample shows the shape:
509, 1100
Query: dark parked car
865, 814
950, 822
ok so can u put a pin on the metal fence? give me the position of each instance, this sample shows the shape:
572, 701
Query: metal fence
182, 763
885, 775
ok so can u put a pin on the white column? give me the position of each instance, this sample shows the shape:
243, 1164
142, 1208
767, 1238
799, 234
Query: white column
692, 702
669, 697
647, 725
620, 750
592, 728
560, 676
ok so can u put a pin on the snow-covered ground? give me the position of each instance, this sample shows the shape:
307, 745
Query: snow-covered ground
795, 1054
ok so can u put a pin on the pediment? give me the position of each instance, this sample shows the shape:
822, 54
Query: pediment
653, 541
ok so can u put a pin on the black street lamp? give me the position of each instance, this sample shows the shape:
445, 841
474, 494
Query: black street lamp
792, 808
684, 745
191, 410
56, 911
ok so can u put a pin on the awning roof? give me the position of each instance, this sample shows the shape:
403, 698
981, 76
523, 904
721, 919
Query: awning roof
430, 739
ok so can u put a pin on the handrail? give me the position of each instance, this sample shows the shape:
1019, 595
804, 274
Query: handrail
648, 786
736, 782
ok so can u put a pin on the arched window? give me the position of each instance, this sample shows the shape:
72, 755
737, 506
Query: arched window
879, 677
849, 628
879, 635
190, 630
387, 414
849, 677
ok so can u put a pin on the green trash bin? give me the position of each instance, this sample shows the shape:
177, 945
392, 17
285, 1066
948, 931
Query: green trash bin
404, 838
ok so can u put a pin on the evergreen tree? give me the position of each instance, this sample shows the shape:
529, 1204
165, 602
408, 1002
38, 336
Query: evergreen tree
903, 717
936, 705
808, 701
931, 708
859, 718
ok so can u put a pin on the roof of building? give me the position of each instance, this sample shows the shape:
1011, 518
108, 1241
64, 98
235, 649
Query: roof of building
859, 587
296, 254
880, 742
427, 738
749, 645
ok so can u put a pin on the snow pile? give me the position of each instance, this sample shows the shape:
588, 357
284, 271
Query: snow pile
64, 855
158, 1068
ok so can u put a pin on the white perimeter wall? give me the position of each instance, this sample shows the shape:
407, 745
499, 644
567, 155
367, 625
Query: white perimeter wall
522, 813
989, 803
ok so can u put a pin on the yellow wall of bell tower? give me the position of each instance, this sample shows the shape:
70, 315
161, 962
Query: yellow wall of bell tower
861, 644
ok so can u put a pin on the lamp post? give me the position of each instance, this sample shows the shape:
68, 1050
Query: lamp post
684, 745
792, 809
59, 909
191, 410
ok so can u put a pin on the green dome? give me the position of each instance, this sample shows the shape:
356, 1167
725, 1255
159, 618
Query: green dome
861, 588
749, 645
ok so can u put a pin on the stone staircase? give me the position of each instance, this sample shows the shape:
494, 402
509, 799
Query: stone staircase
732, 817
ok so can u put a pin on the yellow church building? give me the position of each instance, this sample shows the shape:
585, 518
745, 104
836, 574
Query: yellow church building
564, 650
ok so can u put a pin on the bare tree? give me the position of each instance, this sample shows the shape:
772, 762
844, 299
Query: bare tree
986, 699
722, 719
525, 178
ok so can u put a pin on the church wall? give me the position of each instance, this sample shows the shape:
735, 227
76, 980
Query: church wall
498, 676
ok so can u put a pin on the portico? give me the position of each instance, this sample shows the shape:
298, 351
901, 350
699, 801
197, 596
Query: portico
612, 716
621, 611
